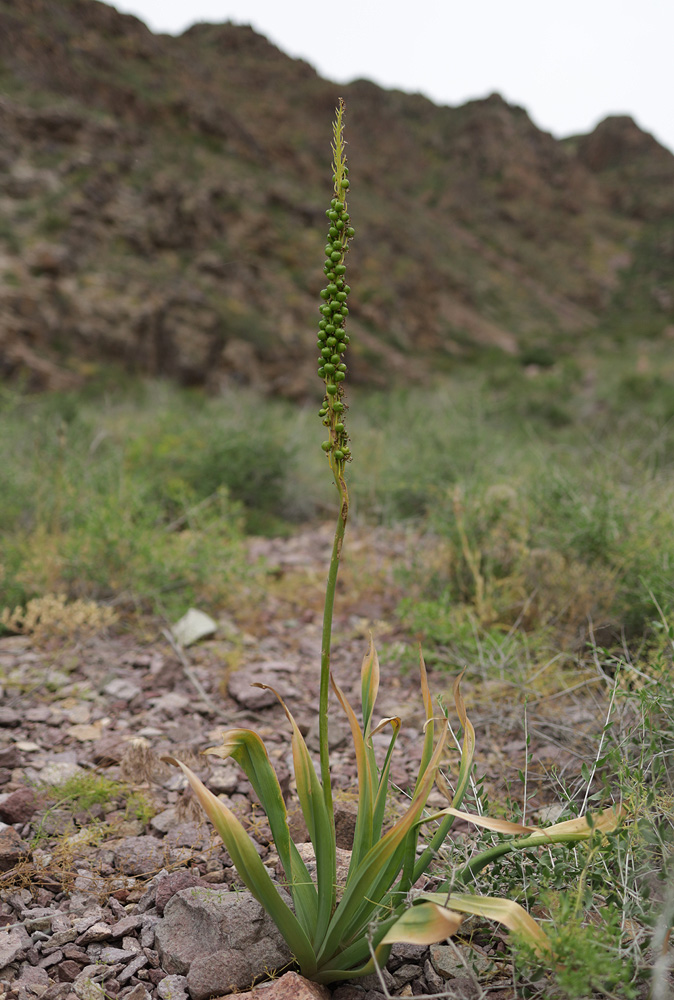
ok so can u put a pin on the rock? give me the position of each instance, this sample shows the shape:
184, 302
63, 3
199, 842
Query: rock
12, 849
172, 703
10, 756
137, 993
345, 823
99, 931
132, 968
193, 626
220, 940
169, 885
290, 986
196, 836
163, 821
173, 988
454, 961
121, 689
69, 970
13, 945
139, 855
58, 771
32, 976
240, 688
125, 926
9, 718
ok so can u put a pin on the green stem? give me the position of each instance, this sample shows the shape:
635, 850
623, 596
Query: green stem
324, 749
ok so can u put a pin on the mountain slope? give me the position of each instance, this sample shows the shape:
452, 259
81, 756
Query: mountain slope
163, 206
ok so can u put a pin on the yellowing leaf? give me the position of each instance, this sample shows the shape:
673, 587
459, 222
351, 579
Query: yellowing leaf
505, 911
488, 822
426, 923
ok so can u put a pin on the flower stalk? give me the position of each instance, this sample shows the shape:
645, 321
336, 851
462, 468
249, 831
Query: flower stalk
333, 341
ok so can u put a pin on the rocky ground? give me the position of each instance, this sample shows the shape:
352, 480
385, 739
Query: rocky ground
96, 901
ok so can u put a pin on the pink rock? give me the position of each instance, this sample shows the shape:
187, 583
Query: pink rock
19, 806
291, 986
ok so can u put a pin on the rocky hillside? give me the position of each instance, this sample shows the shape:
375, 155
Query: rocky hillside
162, 206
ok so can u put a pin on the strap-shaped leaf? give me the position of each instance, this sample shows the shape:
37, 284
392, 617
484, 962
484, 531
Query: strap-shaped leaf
247, 749
465, 768
426, 923
249, 866
429, 728
468, 747
505, 911
320, 824
363, 835
369, 680
383, 787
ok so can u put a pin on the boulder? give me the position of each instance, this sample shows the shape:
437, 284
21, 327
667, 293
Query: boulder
220, 940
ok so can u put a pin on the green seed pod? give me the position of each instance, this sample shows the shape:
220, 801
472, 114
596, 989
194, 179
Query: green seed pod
332, 288
326, 352
340, 296
338, 376
339, 224
322, 411
342, 367
347, 289
329, 368
327, 266
333, 214
321, 372
331, 341
335, 359
333, 203
326, 445
339, 207
344, 183
339, 455
322, 324
325, 294
328, 249
340, 269
331, 390
345, 310
341, 347
339, 332
339, 428
338, 407
326, 310
350, 231
334, 307
344, 216
333, 231
335, 255
329, 328
346, 450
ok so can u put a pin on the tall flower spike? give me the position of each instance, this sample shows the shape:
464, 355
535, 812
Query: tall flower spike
332, 336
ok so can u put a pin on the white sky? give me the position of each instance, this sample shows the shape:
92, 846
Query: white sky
568, 62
